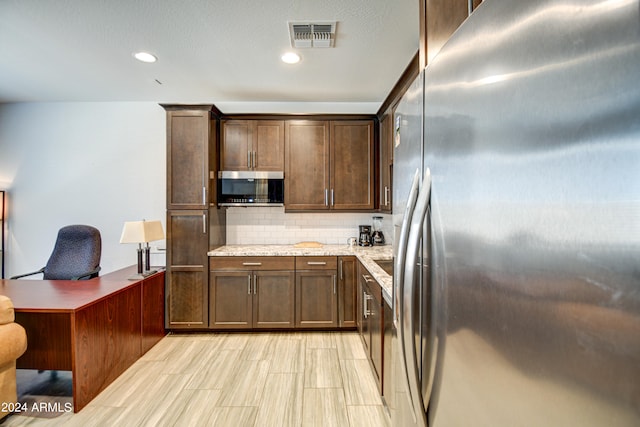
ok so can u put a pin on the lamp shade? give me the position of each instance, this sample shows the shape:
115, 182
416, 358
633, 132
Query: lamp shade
141, 232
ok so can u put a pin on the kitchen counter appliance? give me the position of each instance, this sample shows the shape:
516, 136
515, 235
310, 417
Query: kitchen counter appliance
365, 235
250, 188
377, 237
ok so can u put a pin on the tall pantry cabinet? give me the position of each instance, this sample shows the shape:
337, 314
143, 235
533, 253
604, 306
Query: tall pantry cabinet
194, 224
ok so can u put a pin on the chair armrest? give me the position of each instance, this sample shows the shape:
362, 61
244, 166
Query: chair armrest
28, 274
87, 275
14, 342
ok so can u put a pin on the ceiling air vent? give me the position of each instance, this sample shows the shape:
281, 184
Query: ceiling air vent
312, 34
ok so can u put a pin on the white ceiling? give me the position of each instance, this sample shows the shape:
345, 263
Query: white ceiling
225, 52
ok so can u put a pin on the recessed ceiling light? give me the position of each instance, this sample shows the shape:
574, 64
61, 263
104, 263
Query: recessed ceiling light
290, 58
145, 57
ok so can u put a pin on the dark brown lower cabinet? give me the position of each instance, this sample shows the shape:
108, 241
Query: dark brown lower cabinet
187, 245
280, 292
372, 321
251, 299
230, 300
316, 292
387, 357
347, 291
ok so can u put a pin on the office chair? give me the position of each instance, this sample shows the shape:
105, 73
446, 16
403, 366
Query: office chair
75, 256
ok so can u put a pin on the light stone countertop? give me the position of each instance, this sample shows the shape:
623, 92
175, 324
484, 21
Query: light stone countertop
366, 255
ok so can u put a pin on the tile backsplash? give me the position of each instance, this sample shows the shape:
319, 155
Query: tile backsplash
271, 225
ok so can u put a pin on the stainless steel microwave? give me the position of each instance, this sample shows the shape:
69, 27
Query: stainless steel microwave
250, 188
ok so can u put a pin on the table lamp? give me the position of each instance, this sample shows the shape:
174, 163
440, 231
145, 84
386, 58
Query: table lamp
142, 232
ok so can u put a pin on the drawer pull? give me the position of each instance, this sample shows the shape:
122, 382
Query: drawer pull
252, 263
316, 263
367, 278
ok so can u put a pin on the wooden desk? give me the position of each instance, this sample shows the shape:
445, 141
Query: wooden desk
94, 328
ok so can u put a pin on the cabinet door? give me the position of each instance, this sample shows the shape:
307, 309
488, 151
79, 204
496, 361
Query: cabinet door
388, 379
187, 275
375, 324
273, 299
352, 165
236, 145
188, 138
439, 19
230, 300
347, 291
386, 161
306, 176
316, 299
268, 145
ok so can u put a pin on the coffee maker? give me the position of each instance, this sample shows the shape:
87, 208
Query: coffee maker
365, 235
377, 238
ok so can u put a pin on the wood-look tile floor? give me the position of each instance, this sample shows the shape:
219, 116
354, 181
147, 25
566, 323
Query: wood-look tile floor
240, 379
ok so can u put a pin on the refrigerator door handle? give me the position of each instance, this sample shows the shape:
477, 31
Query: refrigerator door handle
398, 306
402, 244
408, 325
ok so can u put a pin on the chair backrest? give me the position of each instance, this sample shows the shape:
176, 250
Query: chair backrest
77, 251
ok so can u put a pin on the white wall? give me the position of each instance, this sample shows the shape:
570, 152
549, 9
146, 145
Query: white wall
79, 163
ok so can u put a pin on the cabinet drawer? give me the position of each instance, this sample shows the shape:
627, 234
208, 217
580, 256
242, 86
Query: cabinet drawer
233, 263
316, 263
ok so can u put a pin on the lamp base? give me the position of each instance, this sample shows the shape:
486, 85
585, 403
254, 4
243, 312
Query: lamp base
144, 275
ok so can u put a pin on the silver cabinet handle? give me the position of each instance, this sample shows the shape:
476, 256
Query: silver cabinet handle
365, 308
326, 197
248, 159
249, 284
316, 263
255, 160
341, 272
335, 287
255, 284
364, 304
386, 195
204, 195
252, 263
332, 198
204, 223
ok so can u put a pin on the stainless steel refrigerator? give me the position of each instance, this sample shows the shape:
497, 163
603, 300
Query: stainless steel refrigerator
517, 221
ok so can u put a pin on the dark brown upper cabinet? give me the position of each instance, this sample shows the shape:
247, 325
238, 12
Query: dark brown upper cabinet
329, 165
190, 136
386, 161
439, 19
252, 145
